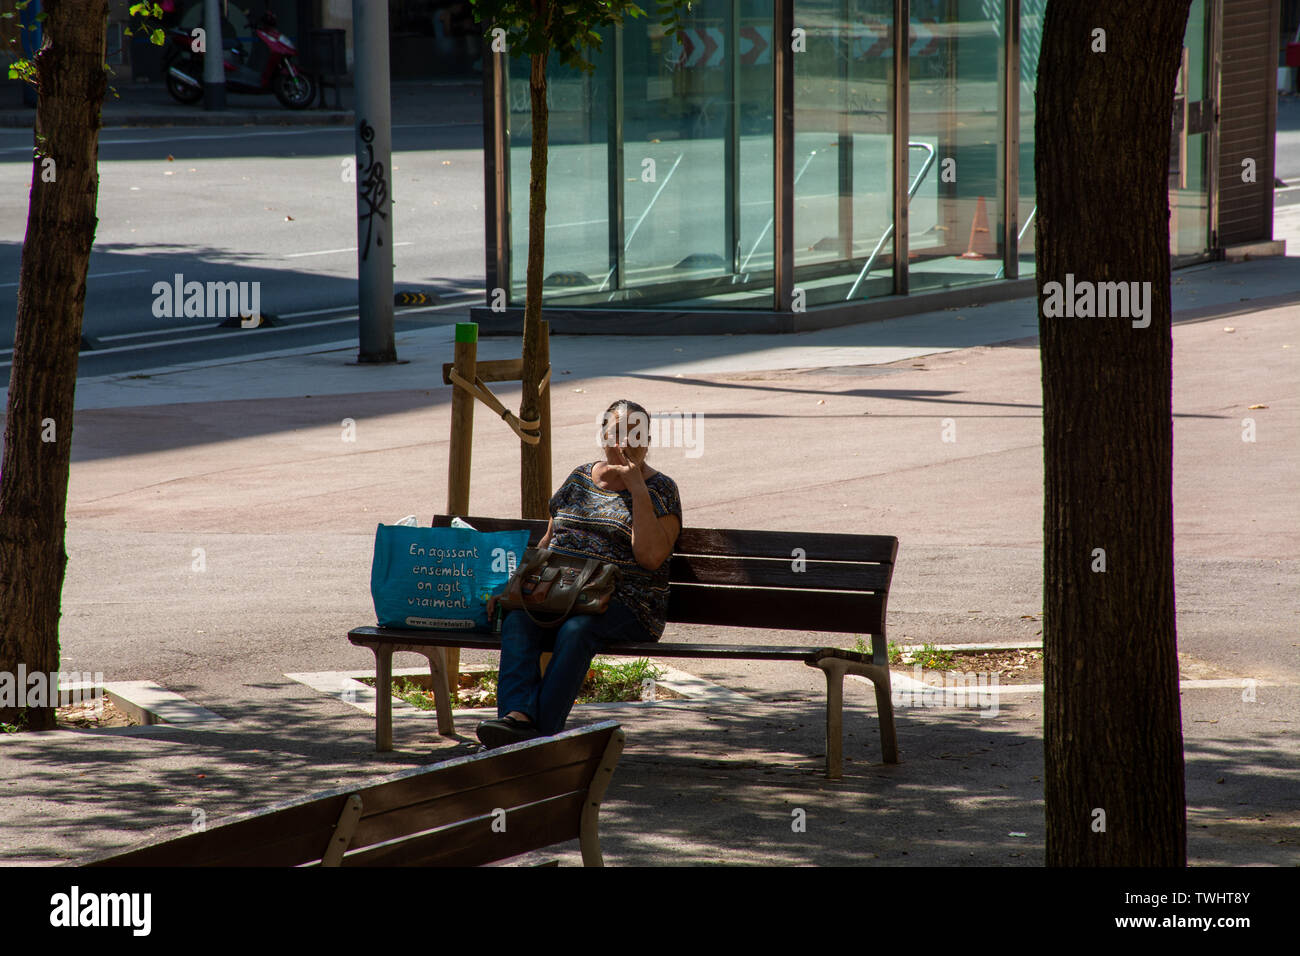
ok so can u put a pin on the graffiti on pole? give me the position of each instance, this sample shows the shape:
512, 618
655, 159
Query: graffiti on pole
373, 188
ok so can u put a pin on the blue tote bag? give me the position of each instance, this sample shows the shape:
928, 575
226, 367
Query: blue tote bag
441, 578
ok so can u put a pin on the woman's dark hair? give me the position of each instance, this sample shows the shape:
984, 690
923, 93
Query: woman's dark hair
628, 410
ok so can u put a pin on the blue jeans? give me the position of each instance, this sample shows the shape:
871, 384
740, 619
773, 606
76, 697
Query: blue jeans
548, 700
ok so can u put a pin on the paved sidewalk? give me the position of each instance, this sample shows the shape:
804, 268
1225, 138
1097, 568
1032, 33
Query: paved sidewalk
837, 430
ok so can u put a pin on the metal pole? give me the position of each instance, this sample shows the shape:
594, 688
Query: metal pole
731, 139
374, 191
615, 174
845, 156
1011, 140
783, 148
901, 106
214, 71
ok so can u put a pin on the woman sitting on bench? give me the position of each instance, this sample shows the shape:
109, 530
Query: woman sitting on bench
621, 511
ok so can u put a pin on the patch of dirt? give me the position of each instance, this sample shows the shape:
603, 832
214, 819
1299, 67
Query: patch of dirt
1026, 666
471, 691
1012, 667
93, 714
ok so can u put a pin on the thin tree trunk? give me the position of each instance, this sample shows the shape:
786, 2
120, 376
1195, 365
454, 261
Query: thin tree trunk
533, 494
51, 295
1113, 779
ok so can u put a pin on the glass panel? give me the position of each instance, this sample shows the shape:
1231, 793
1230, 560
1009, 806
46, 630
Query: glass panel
843, 149
955, 219
1188, 198
577, 200
756, 154
698, 159
1031, 40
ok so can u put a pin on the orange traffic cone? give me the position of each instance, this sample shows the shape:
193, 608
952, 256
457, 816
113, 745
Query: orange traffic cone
981, 245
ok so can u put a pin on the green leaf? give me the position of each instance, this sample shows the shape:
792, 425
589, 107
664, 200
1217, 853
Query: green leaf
157, 38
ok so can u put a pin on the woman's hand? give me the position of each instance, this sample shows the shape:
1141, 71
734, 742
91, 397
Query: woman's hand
626, 472
653, 536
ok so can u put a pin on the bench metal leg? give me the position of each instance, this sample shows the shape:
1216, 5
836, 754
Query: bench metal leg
835, 669
885, 714
383, 697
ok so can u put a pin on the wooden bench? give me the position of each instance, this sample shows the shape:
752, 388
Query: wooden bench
550, 789
806, 581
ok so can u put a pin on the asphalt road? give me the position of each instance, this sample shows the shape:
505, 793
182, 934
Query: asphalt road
251, 205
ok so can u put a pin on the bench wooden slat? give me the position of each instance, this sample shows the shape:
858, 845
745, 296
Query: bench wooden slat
728, 542
816, 545
473, 842
446, 809
371, 636
537, 528
466, 773
779, 573
271, 837
779, 609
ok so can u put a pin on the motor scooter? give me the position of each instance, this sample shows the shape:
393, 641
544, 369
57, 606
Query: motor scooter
278, 74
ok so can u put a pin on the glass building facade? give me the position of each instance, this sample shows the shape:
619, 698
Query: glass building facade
718, 180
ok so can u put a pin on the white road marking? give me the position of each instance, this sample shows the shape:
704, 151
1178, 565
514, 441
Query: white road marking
204, 338
93, 275
352, 317
330, 252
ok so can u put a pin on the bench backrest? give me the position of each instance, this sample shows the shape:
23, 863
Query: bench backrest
550, 789
761, 578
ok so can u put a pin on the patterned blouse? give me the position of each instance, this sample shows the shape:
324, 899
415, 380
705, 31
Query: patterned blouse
593, 522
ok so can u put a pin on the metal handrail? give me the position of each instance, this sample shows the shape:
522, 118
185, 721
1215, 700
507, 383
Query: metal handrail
889, 231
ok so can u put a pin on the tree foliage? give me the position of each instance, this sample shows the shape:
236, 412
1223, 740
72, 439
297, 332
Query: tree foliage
569, 29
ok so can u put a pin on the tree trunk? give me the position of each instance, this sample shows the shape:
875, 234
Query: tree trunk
51, 295
1113, 779
533, 493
